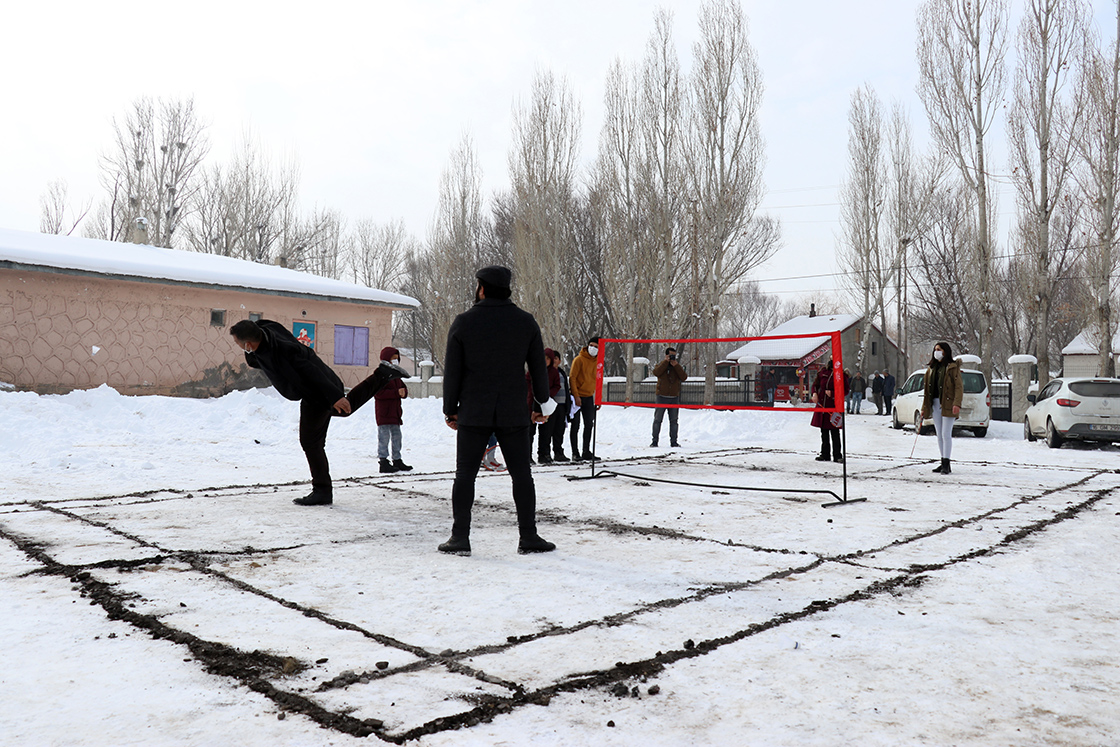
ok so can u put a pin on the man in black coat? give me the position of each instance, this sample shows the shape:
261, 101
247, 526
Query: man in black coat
488, 348
299, 374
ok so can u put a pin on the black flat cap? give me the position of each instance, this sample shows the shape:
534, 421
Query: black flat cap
495, 276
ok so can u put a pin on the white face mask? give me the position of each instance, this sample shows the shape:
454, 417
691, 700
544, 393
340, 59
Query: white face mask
938, 355
592, 351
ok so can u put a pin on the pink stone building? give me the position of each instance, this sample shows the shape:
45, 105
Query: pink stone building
77, 313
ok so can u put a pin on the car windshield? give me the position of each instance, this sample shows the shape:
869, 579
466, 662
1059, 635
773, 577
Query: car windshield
1094, 388
973, 382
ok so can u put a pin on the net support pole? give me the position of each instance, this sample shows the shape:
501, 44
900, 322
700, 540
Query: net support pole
594, 445
844, 464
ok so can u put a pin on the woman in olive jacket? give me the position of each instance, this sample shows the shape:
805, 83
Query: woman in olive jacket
944, 392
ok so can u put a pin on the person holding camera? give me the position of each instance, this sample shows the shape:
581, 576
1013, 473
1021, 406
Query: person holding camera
669, 375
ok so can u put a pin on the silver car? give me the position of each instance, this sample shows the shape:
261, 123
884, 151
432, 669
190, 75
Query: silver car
976, 404
1086, 409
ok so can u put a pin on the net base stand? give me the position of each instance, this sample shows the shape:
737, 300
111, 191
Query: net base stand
843, 502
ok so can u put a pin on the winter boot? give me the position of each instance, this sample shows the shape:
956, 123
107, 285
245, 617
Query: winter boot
534, 544
939, 469
386, 465
544, 458
945, 470
560, 457
456, 546
315, 498
822, 457
400, 466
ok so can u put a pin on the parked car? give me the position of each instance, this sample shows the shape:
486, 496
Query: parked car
1086, 409
976, 405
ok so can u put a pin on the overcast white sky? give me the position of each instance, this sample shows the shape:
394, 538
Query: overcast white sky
371, 97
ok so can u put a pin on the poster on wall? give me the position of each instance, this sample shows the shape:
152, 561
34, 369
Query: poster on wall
305, 333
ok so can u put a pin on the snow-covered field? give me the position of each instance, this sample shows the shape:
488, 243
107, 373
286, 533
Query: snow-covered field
158, 587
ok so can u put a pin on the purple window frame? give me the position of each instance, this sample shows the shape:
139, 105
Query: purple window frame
351, 345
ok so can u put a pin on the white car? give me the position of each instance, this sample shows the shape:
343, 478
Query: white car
976, 404
1086, 409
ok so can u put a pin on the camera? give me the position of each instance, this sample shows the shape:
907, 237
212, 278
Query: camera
672, 357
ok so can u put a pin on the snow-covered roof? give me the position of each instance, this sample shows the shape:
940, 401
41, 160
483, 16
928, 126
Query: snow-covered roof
1086, 343
116, 259
800, 325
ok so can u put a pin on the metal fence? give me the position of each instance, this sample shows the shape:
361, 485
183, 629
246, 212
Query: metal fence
734, 392
1000, 393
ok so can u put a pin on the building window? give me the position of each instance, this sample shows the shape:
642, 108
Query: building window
351, 345
255, 316
217, 317
874, 345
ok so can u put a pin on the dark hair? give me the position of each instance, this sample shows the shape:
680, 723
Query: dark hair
247, 330
494, 291
946, 358
670, 350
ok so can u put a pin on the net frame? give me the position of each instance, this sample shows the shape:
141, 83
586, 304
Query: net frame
834, 344
838, 407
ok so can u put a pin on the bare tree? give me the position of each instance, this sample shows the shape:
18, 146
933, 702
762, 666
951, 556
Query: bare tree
864, 252
1044, 117
151, 170
55, 215
377, 253
725, 155
542, 167
748, 312
961, 46
1099, 143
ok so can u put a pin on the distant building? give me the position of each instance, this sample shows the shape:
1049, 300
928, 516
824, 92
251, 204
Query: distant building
1080, 357
808, 355
77, 313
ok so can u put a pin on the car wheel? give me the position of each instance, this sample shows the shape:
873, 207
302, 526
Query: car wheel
1053, 439
895, 421
980, 432
1027, 432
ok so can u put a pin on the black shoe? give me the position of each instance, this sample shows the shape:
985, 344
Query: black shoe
838, 459
945, 468
576, 457
674, 445
560, 457
400, 466
822, 457
314, 498
653, 445
386, 466
544, 459
939, 468
456, 546
589, 457
534, 544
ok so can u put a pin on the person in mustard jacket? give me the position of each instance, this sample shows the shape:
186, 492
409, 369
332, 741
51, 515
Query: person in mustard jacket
944, 392
581, 382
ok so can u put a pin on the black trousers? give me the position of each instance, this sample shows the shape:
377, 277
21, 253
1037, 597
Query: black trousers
471, 444
836, 452
550, 434
587, 413
314, 419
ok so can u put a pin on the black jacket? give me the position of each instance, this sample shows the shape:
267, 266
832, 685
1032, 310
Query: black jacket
293, 368
488, 348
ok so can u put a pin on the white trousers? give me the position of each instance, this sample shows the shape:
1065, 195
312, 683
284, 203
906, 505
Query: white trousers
943, 426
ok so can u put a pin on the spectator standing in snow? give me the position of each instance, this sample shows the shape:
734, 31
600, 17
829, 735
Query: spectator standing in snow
888, 392
543, 432
858, 388
581, 383
769, 382
877, 392
550, 434
829, 422
488, 348
941, 400
669, 375
299, 374
387, 408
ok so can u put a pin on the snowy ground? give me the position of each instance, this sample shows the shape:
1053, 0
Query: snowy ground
158, 587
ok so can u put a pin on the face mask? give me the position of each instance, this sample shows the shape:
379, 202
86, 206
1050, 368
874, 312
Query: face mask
937, 355
592, 351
